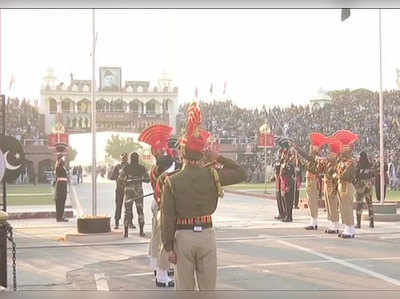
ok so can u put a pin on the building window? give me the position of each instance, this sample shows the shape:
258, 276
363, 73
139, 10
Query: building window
52, 106
66, 106
134, 106
151, 107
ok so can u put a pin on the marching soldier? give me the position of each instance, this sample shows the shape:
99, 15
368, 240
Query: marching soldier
133, 175
328, 168
279, 199
287, 176
61, 188
345, 172
312, 179
119, 190
363, 184
157, 136
189, 199
299, 180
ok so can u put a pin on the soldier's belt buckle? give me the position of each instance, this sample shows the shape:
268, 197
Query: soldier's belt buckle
197, 228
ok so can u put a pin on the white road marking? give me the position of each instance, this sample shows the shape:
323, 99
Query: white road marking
343, 263
140, 274
101, 282
274, 264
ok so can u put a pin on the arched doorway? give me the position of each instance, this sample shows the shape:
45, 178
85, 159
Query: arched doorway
102, 106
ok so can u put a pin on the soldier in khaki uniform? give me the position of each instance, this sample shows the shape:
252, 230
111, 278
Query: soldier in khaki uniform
345, 172
189, 199
158, 137
312, 179
331, 184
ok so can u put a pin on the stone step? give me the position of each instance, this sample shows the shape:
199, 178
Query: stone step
96, 237
37, 214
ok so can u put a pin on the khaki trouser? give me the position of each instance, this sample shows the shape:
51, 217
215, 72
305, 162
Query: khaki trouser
331, 201
346, 194
156, 249
196, 253
312, 195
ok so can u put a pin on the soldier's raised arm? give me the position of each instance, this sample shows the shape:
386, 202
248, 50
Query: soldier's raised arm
231, 172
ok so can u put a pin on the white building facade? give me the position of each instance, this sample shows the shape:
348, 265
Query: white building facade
128, 108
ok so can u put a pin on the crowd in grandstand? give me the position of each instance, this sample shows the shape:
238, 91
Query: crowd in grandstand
23, 120
356, 110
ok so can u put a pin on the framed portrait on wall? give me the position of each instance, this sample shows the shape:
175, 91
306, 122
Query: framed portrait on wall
110, 78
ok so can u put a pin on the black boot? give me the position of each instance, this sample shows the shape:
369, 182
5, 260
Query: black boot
358, 221
142, 234
371, 222
126, 230
116, 224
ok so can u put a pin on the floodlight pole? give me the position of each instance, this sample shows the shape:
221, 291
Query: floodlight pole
381, 150
94, 170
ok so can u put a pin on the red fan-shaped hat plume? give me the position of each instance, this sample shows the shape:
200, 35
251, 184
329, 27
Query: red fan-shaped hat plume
195, 138
157, 136
318, 139
335, 145
346, 137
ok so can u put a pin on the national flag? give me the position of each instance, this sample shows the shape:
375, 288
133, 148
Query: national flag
196, 93
345, 13
211, 88
225, 83
12, 81
398, 77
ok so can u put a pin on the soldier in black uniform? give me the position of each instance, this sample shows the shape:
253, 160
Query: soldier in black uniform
119, 190
61, 188
287, 176
133, 175
279, 199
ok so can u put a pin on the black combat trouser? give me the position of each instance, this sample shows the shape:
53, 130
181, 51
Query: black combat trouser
289, 199
119, 200
296, 198
368, 200
133, 195
61, 197
281, 204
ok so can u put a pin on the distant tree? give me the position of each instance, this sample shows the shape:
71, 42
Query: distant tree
116, 145
72, 154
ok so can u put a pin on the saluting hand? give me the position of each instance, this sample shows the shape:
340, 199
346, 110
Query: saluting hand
172, 257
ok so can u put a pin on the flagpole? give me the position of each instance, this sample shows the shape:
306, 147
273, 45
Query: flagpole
381, 155
94, 170
265, 162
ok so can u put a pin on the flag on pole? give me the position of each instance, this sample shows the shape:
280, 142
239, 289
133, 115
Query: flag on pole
345, 13
196, 93
398, 77
12, 81
225, 83
211, 88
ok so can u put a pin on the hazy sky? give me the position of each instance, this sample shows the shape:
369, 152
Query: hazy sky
272, 57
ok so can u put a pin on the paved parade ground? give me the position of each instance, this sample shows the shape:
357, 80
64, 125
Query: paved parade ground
255, 252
